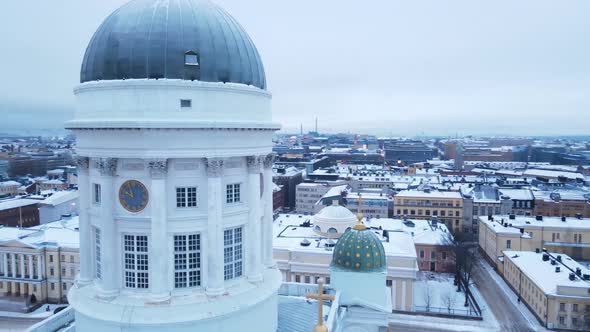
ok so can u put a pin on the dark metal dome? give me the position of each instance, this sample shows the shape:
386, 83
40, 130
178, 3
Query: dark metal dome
175, 39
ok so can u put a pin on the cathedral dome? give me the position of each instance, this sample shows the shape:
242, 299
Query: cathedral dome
359, 250
173, 39
333, 220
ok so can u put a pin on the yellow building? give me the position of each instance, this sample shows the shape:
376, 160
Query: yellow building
554, 287
41, 261
570, 236
446, 206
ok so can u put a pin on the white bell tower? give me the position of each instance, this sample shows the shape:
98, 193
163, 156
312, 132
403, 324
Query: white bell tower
174, 139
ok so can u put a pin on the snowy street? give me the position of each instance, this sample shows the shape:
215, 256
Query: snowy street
511, 316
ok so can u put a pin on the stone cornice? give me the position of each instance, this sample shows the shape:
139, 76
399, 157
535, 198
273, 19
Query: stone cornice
163, 124
170, 83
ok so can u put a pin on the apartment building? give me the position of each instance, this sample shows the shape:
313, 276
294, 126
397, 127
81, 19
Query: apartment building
570, 236
554, 287
445, 206
483, 200
562, 203
308, 195
373, 205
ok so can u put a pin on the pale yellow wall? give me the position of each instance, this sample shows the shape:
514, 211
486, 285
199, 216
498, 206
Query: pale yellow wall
542, 304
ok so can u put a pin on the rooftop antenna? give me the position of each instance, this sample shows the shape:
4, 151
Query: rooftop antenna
316, 124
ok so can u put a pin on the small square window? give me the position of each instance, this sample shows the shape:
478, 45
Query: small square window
186, 103
191, 59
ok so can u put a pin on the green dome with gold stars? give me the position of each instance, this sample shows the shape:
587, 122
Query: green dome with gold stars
359, 250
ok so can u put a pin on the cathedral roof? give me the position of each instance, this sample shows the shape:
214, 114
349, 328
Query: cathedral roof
173, 39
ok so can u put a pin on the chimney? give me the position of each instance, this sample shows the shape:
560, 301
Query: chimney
557, 269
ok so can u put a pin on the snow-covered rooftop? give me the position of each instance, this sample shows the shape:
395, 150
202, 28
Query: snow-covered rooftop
532, 222
431, 194
518, 194
543, 274
62, 233
16, 203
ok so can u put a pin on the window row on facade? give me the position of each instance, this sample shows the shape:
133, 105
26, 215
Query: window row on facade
187, 258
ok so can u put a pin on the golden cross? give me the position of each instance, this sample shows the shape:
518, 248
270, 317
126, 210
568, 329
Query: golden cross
359, 215
320, 296
359, 201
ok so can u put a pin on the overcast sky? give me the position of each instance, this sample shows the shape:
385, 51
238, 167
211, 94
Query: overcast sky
396, 67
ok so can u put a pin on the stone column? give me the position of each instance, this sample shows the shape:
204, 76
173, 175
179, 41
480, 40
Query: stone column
39, 267
253, 235
215, 194
22, 265
42, 268
30, 258
158, 244
85, 230
267, 215
13, 265
4, 258
109, 245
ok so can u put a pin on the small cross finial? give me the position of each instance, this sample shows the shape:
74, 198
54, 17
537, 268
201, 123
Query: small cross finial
359, 215
320, 296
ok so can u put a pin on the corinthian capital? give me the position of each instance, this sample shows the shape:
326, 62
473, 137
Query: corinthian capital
253, 163
158, 167
82, 163
269, 160
214, 167
107, 166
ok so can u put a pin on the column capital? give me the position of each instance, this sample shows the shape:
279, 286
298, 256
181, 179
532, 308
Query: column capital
158, 167
214, 167
107, 166
269, 160
82, 163
253, 163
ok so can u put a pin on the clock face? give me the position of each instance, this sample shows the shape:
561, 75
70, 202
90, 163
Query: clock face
133, 196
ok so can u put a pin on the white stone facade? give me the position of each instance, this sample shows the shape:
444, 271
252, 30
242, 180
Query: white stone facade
219, 151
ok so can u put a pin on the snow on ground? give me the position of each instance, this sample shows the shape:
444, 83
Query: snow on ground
437, 292
503, 286
41, 312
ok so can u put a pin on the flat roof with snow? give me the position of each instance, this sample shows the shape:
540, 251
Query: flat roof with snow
431, 194
543, 274
547, 222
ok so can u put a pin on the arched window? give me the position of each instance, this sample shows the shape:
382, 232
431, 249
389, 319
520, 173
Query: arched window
332, 230
317, 228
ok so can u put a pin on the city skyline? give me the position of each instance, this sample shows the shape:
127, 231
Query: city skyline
400, 68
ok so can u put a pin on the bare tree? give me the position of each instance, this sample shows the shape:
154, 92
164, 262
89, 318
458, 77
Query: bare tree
449, 299
427, 295
464, 255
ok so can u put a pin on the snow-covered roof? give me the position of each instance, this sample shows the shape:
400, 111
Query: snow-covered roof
288, 235
423, 232
518, 194
62, 233
9, 184
566, 195
16, 203
532, 222
59, 197
431, 194
543, 274
552, 174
